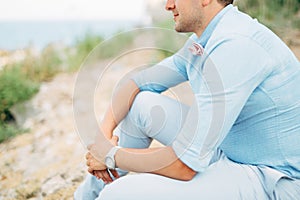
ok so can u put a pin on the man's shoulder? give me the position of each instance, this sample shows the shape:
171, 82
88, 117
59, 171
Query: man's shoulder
236, 25
236, 22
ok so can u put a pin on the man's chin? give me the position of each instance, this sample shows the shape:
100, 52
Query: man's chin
180, 30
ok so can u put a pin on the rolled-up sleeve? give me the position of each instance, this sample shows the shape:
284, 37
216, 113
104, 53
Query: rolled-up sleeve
228, 76
166, 74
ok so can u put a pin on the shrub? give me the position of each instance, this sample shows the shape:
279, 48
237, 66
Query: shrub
279, 11
7, 131
20, 81
14, 88
81, 49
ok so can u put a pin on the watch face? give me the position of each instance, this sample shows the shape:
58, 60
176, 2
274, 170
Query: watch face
109, 163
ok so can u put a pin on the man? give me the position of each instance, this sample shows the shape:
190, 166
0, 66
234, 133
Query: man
239, 140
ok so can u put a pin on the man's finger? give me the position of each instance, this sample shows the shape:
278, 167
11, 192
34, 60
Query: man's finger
106, 177
115, 138
89, 147
88, 155
115, 173
91, 171
98, 174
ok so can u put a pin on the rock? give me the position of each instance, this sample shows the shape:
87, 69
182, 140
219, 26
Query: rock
23, 111
28, 190
53, 184
50, 159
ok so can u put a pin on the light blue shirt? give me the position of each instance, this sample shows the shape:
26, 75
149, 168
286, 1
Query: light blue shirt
247, 97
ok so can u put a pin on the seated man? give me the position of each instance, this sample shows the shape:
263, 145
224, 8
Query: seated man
240, 138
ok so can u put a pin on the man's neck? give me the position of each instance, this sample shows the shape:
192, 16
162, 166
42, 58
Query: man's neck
209, 12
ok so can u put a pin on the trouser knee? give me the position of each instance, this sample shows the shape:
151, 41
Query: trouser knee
140, 116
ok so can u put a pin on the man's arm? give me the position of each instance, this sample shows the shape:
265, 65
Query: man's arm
157, 78
119, 107
117, 110
162, 161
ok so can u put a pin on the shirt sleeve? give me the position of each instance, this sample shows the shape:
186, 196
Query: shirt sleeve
228, 76
164, 75
161, 76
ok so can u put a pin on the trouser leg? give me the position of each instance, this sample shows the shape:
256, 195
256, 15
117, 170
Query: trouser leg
287, 189
151, 116
89, 189
223, 179
156, 116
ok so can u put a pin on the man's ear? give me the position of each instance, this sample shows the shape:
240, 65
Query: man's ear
206, 2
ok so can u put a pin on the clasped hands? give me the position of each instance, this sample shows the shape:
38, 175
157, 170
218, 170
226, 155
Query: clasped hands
96, 156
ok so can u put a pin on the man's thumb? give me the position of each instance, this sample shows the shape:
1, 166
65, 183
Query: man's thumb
115, 138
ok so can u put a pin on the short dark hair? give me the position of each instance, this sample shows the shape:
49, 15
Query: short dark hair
226, 2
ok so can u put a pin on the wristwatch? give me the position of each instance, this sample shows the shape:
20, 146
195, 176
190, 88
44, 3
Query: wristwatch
110, 157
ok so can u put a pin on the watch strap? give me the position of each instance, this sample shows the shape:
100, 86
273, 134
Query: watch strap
111, 155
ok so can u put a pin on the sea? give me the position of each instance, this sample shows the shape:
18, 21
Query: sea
16, 35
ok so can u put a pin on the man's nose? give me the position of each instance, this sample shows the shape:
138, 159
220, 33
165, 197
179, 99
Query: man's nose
170, 5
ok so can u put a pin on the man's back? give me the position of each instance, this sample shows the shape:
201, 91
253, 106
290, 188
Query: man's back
267, 131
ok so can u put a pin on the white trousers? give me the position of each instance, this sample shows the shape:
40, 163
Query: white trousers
154, 116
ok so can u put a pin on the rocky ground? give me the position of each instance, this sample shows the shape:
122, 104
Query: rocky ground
48, 161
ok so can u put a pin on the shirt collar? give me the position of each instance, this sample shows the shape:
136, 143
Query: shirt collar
203, 39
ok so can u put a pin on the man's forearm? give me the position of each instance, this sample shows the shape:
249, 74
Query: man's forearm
119, 107
162, 161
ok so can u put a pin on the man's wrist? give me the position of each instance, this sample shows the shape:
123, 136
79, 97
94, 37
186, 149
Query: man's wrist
110, 161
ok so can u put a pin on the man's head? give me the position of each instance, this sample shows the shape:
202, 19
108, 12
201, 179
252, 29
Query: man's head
194, 15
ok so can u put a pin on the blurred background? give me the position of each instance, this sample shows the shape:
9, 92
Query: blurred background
43, 43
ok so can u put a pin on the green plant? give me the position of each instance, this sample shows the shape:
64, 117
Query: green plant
14, 88
113, 46
20, 81
96, 48
43, 67
76, 54
7, 131
279, 11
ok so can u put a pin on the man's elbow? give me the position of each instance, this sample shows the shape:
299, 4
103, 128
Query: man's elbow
187, 173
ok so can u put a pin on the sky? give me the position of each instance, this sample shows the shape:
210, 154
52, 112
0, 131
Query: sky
71, 9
